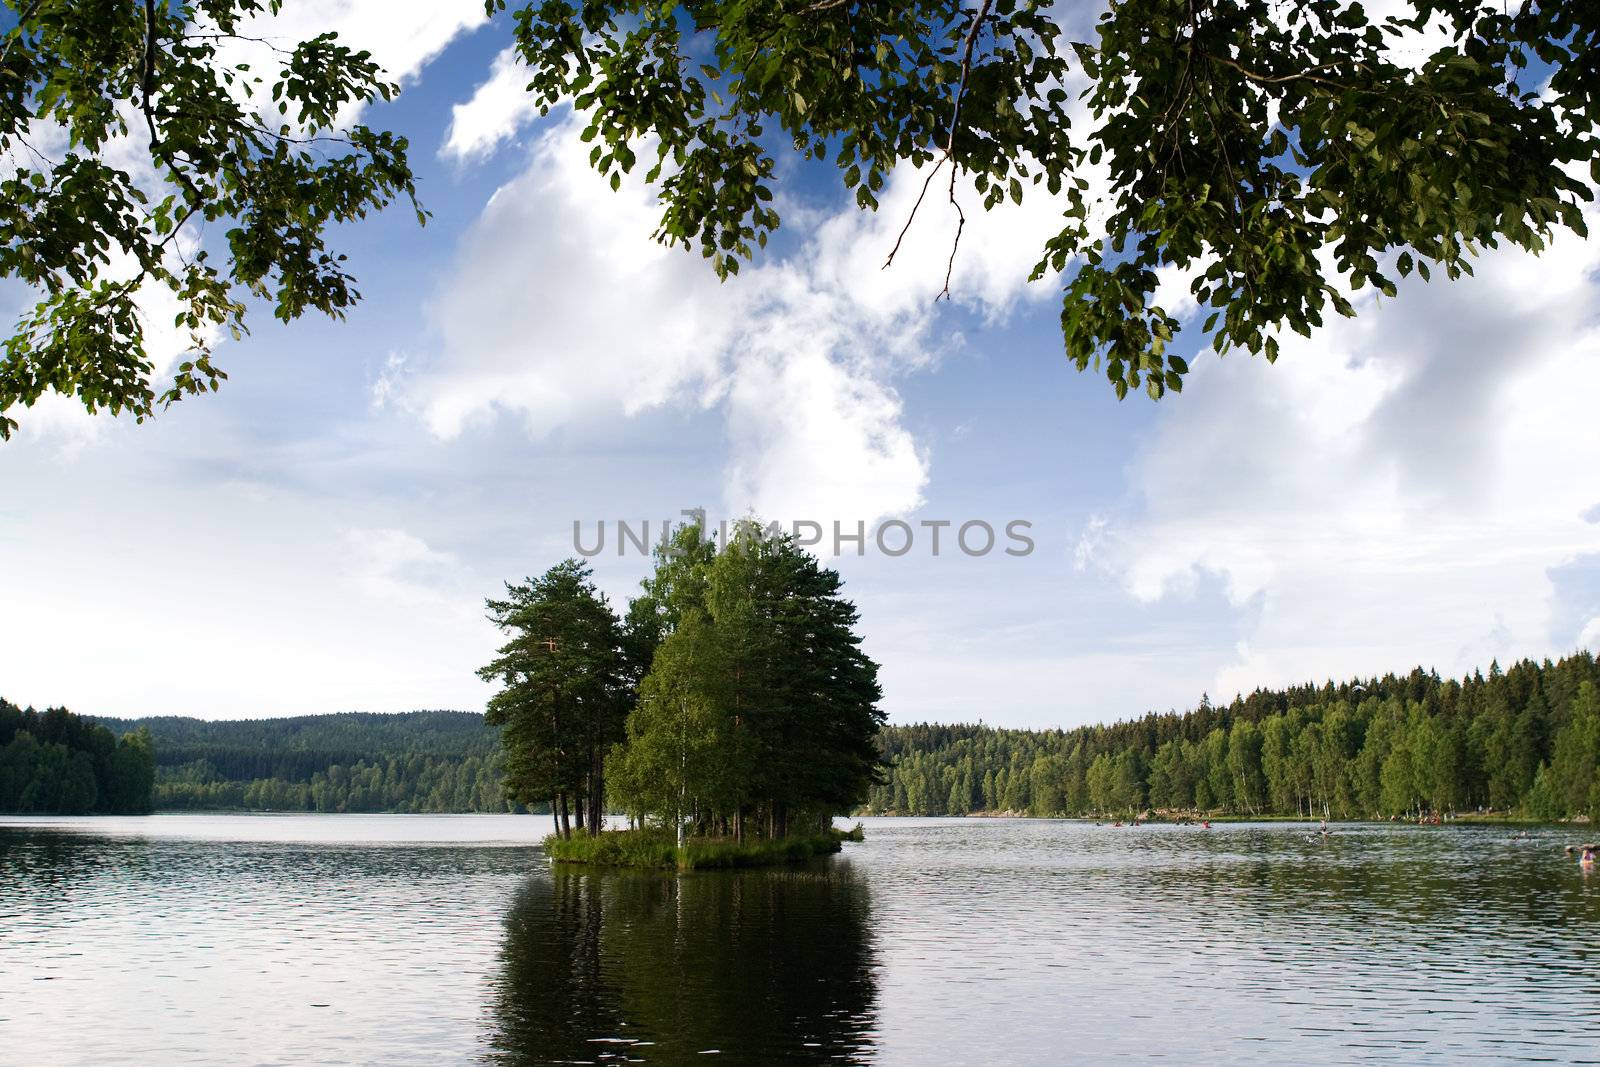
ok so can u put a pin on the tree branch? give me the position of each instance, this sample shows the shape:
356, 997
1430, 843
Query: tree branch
158, 147
968, 45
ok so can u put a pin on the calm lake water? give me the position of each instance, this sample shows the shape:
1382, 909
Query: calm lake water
422, 939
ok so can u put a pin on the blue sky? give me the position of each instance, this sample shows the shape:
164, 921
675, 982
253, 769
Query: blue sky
1416, 486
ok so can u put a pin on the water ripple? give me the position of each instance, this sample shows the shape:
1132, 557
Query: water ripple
425, 939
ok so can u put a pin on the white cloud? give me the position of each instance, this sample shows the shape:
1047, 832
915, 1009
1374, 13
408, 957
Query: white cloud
402, 35
1394, 490
398, 568
1590, 637
560, 309
498, 108
811, 440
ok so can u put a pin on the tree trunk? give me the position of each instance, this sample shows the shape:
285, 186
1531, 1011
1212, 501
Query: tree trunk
597, 793
738, 826
566, 822
555, 813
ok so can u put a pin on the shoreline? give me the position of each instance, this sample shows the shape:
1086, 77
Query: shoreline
653, 850
1473, 819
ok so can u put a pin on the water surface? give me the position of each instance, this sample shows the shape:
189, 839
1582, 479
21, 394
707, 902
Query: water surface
428, 939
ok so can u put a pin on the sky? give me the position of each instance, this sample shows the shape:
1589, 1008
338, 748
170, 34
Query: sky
1417, 486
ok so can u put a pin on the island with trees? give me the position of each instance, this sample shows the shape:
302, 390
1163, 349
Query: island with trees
731, 714
735, 694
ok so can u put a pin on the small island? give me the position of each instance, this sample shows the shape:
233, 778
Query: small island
730, 715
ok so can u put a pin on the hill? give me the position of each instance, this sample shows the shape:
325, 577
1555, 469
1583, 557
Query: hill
419, 761
1524, 741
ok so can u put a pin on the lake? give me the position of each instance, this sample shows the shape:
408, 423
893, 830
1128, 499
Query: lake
439, 939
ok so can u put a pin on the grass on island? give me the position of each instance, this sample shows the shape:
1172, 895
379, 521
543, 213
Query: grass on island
658, 849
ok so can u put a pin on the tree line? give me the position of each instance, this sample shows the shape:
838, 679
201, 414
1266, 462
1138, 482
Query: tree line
53, 762
733, 699
1523, 741
410, 762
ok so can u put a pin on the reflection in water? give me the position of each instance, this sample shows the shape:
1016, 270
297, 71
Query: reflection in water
433, 940
757, 965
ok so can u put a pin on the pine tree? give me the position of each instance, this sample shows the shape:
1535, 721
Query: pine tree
564, 696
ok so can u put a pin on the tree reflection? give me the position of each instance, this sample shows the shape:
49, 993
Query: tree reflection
618, 966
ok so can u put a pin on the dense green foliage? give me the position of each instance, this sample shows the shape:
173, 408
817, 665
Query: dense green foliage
56, 763
124, 127
735, 699
1525, 741
658, 848
759, 708
421, 761
1280, 154
564, 691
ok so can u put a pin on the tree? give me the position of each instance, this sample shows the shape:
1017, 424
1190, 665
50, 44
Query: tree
1279, 155
1244, 763
683, 750
124, 127
57, 762
1413, 744
1218, 777
563, 697
759, 700
1575, 768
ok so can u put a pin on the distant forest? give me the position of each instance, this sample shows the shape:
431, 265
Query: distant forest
53, 762
419, 761
1523, 741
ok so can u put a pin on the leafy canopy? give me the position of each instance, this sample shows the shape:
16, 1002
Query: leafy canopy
131, 132
758, 697
1280, 154
564, 689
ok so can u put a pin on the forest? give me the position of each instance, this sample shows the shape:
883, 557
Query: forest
53, 762
419, 761
1522, 742
733, 702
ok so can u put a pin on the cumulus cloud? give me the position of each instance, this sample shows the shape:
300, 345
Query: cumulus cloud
402, 35
499, 107
561, 309
1397, 487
